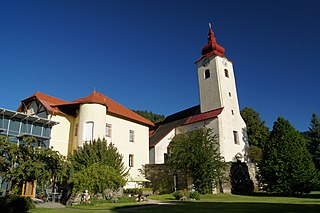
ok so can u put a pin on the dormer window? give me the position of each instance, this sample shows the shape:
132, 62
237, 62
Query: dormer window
206, 74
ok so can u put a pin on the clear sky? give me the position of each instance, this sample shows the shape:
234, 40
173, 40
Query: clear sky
142, 53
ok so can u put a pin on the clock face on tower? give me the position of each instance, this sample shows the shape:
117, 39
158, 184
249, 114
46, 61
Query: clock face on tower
205, 62
224, 62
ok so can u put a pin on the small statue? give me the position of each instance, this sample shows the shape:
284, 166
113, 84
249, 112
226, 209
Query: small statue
85, 197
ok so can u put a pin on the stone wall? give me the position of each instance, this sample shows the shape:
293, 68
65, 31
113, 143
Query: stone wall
240, 179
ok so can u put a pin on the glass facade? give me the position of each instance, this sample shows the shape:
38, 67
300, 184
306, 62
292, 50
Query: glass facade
17, 125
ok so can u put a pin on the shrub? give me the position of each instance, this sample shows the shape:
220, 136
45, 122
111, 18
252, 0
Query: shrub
14, 203
178, 195
194, 195
181, 193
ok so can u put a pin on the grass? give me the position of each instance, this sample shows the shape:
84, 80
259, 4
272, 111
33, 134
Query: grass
224, 203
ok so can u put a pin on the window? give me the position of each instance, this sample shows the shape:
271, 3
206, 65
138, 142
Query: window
131, 160
88, 131
232, 112
131, 135
236, 137
226, 73
207, 74
108, 130
76, 126
229, 94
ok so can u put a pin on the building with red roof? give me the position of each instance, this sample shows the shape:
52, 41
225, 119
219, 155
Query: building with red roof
218, 109
92, 117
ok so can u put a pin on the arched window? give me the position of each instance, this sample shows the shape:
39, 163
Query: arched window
226, 73
207, 74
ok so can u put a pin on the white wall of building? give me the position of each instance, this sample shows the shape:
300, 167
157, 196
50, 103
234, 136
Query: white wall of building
91, 113
120, 138
161, 148
60, 133
220, 91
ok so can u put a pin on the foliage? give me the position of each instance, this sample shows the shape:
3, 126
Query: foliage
255, 154
286, 167
313, 137
97, 151
194, 195
28, 162
97, 167
178, 195
155, 118
257, 132
197, 153
97, 178
241, 182
13, 203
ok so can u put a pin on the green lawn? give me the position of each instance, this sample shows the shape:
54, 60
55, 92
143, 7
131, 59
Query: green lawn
224, 203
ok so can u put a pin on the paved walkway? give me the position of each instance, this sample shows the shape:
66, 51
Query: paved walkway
54, 205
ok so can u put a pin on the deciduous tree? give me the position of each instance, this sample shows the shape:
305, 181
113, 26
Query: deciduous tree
197, 153
92, 156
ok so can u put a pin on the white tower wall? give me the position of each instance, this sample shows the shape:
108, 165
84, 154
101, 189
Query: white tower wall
219, 90
92, 113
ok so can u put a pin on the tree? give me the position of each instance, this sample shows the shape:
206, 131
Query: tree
28, 162
197, 153
257, 133
8, 155
85, 164
286, 167
153, 117
97, 178
313, 137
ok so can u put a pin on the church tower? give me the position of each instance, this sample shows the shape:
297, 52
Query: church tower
217, 86
217, 89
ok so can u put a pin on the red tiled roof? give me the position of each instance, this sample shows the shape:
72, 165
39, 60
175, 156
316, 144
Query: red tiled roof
204, 116
181, 118
46, 100
113, 107
52, 104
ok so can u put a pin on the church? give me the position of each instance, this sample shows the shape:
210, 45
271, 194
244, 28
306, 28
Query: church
218, 109
66, 125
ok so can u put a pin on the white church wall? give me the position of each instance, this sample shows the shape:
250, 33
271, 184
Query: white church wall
161, 147
209, 90
152, 154
228, 124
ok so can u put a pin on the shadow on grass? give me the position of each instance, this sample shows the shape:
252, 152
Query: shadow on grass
222, 207
265, 194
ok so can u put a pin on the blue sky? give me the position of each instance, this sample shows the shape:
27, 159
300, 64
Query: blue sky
142, 53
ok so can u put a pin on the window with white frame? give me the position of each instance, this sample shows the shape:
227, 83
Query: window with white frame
108, 130
88, 131
131, 135
131, 160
